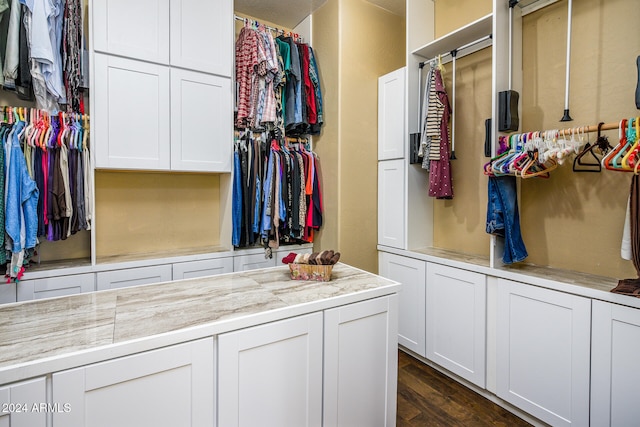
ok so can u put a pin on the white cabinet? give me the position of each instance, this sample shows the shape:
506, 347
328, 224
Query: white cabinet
149, 116
137, 29
20, 404
56, 286
190, 34
252, 262
543, 352
391, 106
201, 121
8, 293
205, 267
202, 35
360, 363
173, 386
133, 277
615, 383
456, 321
391, 203
131, 121
411, 298
271, 375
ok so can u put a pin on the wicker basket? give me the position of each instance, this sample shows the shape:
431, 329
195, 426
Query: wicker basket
319, 273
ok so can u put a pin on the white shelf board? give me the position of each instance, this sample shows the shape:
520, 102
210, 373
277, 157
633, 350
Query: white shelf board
467, 34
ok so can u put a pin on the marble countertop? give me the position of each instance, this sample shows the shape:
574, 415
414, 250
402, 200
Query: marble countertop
38, 337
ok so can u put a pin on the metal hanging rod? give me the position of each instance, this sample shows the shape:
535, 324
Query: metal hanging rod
586, 129
454, 52
278, 31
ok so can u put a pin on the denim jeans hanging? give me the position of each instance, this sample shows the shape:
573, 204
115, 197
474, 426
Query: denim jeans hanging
503, 218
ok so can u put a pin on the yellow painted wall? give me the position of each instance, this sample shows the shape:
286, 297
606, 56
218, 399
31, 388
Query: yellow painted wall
139, 213
327, 47
575, 220
460, 222
453, 14
370, 42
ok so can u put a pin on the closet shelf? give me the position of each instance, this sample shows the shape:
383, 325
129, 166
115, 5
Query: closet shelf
467, 34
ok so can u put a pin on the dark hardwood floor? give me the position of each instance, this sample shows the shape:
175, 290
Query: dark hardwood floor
426, 397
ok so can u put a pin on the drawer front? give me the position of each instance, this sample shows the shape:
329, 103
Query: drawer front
252, 262
133, 277
56, 286
207, 267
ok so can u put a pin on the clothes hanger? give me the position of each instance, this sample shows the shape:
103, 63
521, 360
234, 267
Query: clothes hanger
581, 159
616, 161
622, 140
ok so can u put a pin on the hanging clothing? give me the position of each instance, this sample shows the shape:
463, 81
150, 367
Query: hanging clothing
277, 195
440, 180
503, 218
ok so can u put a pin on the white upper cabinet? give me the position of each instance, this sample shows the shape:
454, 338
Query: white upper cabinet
136, 29
191, 34
202, 35
201, 122
131, 121
391, 105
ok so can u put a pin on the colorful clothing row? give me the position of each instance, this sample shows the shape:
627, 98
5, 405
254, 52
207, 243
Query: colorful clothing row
277, 194
47, 183
278, 84
40, 52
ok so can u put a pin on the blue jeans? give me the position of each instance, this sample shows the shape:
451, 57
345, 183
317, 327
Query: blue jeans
503, 218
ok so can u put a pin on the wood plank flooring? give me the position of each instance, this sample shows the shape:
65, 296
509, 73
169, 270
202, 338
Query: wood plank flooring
427, 397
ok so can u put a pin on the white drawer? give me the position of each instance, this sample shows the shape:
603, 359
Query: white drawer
252, 262
7, 293
133, 276
206, 267
55, 286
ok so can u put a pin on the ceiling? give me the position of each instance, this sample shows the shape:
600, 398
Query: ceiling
289, 13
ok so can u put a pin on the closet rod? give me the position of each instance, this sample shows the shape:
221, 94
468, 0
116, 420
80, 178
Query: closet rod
268, 27
466, 46
587, 129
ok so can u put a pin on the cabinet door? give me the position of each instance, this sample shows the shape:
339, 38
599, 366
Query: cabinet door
360, 363
391, 106
615, 383
411, 298
543, 352
131, 122
173, 386
56, 286
271, 375
252, 262
201, 121
391, 203
205, 267
137, 29
24, 404
202, 35
133, 277
8, 293
456, 319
